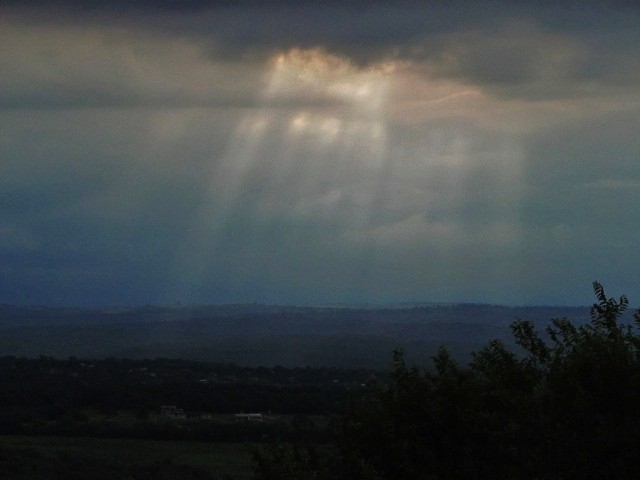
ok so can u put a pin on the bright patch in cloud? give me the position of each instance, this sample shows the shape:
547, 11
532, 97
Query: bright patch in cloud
316, 74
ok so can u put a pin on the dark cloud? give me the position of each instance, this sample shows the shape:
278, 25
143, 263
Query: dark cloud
531, 50
477, 151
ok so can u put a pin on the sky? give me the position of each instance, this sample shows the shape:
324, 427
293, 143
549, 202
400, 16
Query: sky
329, 152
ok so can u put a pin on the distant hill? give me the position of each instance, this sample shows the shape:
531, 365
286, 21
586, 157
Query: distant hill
266, 335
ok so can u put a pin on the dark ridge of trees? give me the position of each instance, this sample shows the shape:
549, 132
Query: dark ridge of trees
255, 335
566, 407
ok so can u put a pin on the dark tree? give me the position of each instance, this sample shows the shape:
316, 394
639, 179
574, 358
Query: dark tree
565, 407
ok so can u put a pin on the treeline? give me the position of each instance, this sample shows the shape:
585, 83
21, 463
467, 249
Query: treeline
76, 397
567, 406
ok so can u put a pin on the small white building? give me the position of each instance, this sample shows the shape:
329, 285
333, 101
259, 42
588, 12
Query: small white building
255, 417
171, 411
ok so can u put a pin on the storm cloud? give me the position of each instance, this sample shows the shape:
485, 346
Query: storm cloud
308, 152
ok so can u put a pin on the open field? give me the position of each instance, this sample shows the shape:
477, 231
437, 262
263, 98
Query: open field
218, 460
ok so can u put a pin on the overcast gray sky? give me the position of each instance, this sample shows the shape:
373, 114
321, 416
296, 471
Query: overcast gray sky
318, 152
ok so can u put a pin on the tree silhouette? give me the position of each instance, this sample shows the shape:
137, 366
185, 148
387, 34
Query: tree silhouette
564, 407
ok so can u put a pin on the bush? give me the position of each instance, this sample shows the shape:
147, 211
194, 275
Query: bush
564, 408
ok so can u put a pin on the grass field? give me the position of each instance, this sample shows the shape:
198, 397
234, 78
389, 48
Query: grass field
230, 460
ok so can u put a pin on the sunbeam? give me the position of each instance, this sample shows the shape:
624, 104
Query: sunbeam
318, 137
311, 165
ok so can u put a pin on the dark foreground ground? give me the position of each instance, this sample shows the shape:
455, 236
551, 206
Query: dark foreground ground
563, 405
103, 419
24, 457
